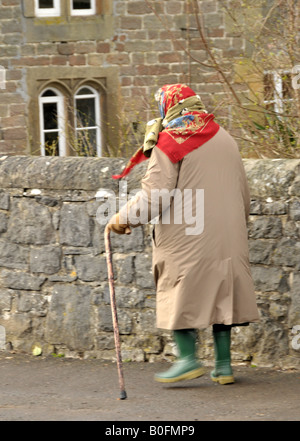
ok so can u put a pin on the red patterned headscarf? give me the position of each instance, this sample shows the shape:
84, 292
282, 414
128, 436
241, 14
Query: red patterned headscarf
183, 127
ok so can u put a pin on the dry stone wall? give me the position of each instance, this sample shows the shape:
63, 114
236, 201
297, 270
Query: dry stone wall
54, 294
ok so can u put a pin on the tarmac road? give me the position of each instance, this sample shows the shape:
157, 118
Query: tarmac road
58, 389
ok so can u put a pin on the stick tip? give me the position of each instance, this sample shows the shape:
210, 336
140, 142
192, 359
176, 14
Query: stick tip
123, 395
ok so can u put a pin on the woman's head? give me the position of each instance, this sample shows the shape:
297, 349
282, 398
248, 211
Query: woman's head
170, 95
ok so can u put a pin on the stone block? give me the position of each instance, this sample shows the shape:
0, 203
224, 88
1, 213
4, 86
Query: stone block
292, 229
3, 222
74, 226
294, 311
258, 173
66, 48
104, 316
56, 173
90, 268
13, 255
33, 303
125, 322
5, 299
30, 223
105, 342
69, 317
267, 278
295, 187
129, 297
275, 207
45, 260
260, 251
98, 239
47, 200
138, 7
20, 280
127, 243
17, 326
145, 322
265, 227
4, 200
287, 253
143, 271
255, 207
2, 337
273, 344
294, 210
278, 311
129, 22
124, 269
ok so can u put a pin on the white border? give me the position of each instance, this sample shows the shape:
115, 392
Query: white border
278, 100
94, 94
47, 12
59, 100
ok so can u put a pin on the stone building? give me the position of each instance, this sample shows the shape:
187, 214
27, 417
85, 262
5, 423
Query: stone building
78, 75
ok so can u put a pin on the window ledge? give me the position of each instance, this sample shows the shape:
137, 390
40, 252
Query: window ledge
67, 29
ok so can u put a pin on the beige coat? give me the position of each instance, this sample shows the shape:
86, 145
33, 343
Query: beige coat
202, 278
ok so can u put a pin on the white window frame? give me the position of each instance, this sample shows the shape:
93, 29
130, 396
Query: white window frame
90, 11
2, 77
59, 100
278, 100
47, 12
94, 94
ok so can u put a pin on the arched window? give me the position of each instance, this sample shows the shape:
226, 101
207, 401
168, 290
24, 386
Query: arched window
87, 121
52, 121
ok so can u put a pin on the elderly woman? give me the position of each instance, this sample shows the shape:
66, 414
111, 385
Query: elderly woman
200, 242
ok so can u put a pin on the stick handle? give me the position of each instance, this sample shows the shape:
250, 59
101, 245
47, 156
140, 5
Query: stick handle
114, 311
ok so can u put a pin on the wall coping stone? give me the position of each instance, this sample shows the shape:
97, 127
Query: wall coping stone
67, 173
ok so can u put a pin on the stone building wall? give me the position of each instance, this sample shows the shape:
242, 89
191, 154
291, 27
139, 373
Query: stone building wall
126, 46
54, 294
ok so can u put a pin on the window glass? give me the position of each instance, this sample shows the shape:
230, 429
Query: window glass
52, 130
51, 144
83, 7
85, 112
269, 87
287, 86
81, 4
49, 92
87, 122
85, 91
50, 116
46, 4
87, 142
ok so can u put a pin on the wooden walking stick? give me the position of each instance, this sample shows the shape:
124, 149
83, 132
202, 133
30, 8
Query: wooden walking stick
110, 272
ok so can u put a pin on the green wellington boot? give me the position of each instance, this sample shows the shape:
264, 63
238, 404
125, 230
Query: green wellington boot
222, 373
186, 367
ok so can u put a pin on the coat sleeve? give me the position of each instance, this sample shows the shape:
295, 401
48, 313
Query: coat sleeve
245, 193
160, 179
